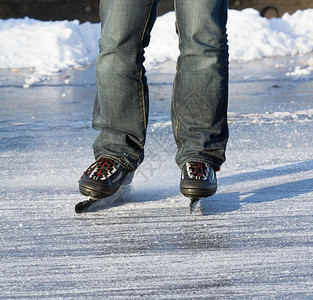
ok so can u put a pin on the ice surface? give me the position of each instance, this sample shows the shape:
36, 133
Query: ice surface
253, 239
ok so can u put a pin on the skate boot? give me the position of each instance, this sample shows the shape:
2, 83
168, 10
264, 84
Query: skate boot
103, 178
198, 180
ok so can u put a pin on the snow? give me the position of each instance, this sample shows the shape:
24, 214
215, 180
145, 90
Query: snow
46, 46
52, 46
252, 37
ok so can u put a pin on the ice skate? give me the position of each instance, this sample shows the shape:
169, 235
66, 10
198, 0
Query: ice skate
198, 180
103, 179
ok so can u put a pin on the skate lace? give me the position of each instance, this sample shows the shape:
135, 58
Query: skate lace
101, 169
197, 170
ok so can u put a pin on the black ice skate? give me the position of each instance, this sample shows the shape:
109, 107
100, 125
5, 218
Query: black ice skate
198, 180
101, 180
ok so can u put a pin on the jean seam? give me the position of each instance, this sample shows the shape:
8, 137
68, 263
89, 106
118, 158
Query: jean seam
174, 88
141, 67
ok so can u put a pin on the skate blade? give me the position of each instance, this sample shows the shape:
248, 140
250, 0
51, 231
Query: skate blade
193, 204
93, 205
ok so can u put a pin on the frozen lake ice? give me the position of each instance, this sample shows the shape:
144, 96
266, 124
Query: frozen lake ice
253, 239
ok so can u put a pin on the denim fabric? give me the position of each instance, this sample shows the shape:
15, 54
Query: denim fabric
200, 93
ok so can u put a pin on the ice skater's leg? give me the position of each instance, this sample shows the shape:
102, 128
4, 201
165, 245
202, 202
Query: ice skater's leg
121, 107
199, 107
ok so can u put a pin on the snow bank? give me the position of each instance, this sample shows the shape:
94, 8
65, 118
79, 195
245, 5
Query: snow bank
47, 46
253, 37
51, 46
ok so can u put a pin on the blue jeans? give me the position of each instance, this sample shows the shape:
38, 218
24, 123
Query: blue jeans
200, 93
